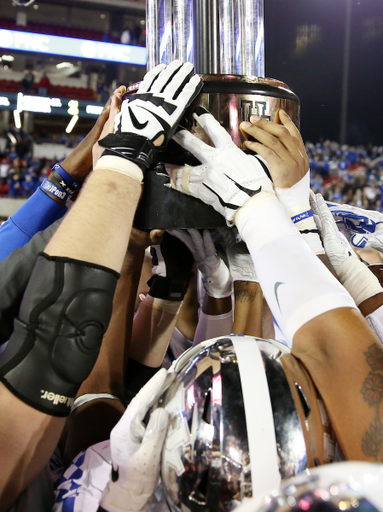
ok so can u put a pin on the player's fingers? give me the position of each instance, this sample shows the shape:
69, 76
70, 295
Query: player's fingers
191, 143
165, 78
268, 154
212, 127
295, 134
208, 243
156, 236
150, 77
275, 136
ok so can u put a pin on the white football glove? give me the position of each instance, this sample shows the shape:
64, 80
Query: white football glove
155, 110
216, 276
367, 225
136, 452
358, 280
227, 177
335, 243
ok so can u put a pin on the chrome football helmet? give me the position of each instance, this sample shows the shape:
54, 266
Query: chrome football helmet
240, 414
339, 487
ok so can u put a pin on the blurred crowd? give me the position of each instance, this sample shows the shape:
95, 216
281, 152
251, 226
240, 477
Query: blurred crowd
20, 176
347, 174
342, 174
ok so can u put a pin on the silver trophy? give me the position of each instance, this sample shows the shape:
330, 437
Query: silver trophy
225, 41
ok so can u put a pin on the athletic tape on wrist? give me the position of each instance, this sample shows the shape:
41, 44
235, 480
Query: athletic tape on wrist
70, 181
120, 165
358, 280
296, 201
168, 306
55, 190
257, 200
88, 397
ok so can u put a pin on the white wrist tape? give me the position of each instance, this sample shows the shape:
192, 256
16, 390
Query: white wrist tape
358, 279
296, 201
88, 397
212, 326
263, 197
120, 165
375, 321
168, 306
296, 285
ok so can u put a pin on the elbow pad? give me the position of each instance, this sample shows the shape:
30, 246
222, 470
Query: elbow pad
64, 314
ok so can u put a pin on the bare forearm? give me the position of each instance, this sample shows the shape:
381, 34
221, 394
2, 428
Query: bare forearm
27, 439
152, 331
248, 308
108, 199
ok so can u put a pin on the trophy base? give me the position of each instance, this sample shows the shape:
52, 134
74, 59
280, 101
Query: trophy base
164, 208
231, 99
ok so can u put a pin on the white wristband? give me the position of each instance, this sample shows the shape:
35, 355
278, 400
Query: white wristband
358, 280
120, 165
296, 201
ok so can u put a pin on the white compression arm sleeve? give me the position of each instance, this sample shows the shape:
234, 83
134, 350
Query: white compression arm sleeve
375, 321
296, 285
212, 326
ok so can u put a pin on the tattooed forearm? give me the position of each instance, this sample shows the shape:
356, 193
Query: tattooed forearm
372, 391
246, 291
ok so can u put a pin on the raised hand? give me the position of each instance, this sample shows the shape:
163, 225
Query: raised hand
136, 452
150, 117
227, 177
216, 276
281, 146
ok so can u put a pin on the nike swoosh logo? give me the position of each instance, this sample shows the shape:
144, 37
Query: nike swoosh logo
225, 205
247, 191
135, 122
276, 286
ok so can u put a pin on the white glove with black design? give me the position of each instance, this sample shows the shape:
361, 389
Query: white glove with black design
216, 276
155, 110
367, 225
136, 452
227, 177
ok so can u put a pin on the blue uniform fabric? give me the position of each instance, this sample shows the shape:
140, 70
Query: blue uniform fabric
36, 214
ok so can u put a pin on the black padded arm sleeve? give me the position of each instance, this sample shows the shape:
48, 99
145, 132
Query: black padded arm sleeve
63, 316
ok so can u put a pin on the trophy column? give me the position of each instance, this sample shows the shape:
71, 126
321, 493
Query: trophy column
225, 41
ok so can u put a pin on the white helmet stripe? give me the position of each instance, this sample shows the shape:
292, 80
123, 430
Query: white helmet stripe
259, 415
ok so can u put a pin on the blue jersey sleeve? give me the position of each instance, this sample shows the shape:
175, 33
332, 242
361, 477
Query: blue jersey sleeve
36, 214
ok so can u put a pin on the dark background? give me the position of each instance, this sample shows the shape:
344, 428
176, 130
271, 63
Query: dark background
313, 67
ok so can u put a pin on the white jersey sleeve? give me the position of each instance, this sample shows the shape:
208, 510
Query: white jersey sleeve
375, 321
83, 482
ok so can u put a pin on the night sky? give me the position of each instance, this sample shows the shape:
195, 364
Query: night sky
314, 70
